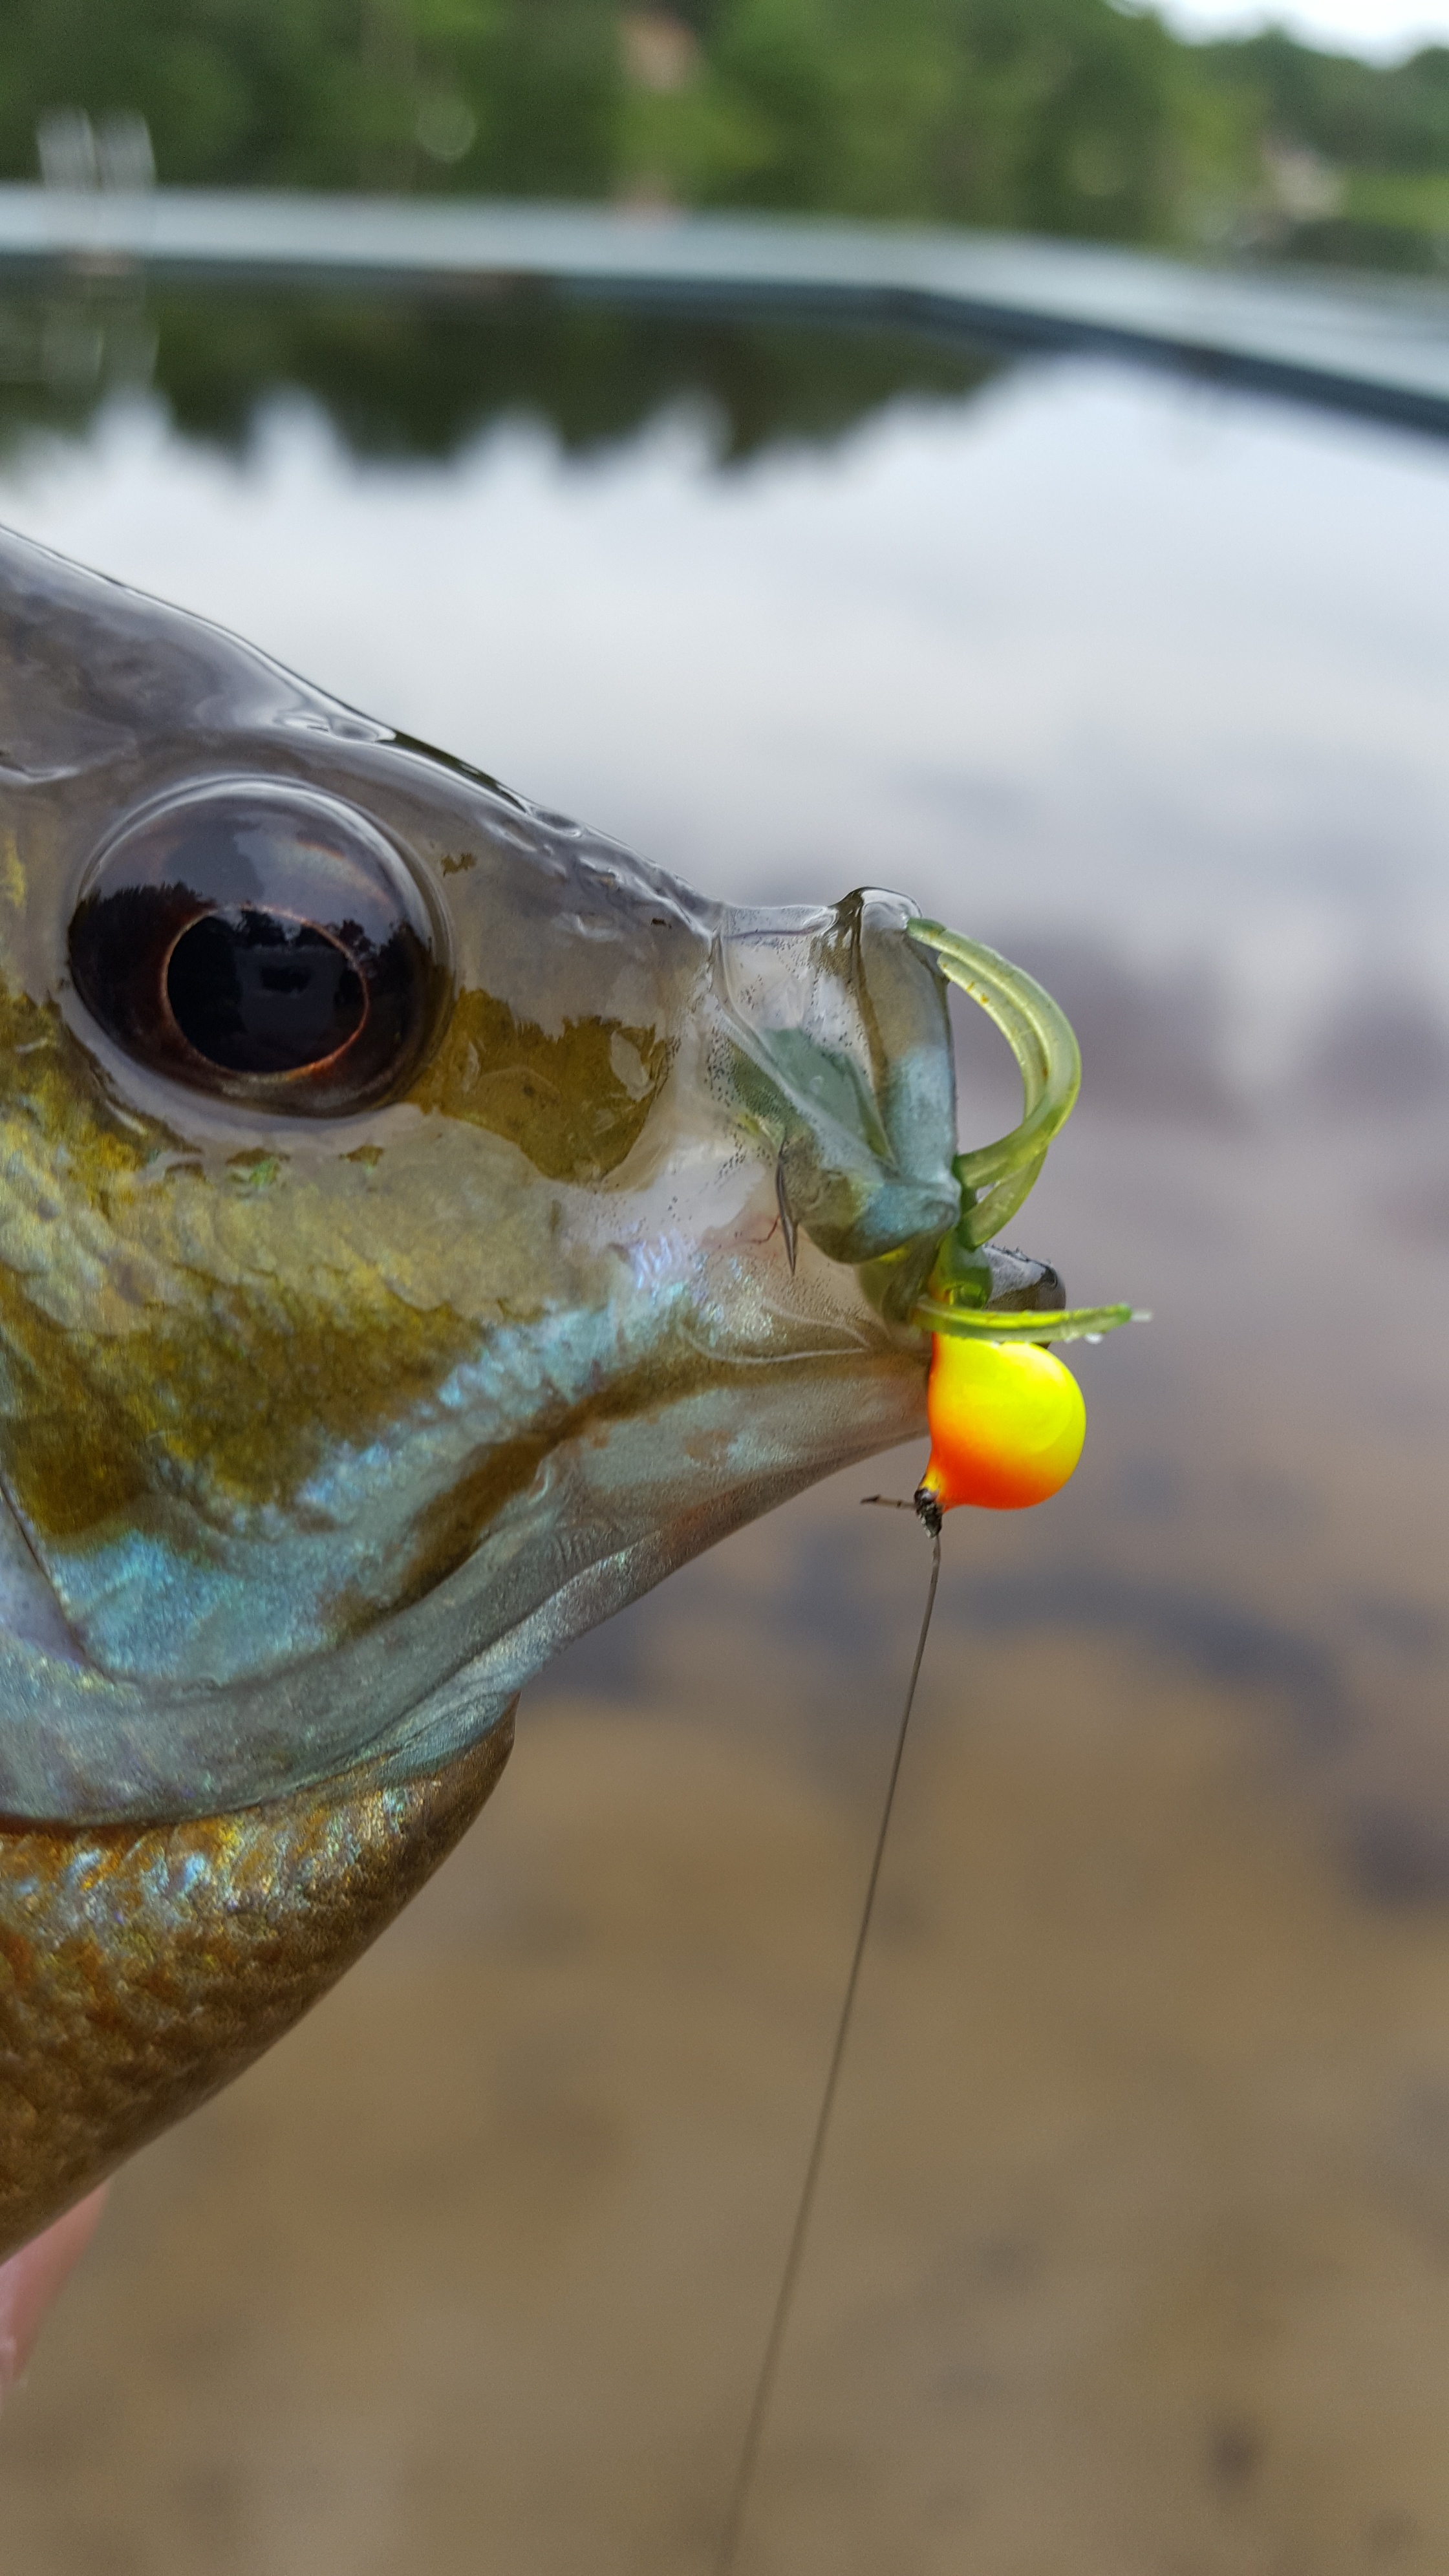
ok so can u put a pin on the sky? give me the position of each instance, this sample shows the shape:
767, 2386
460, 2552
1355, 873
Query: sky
1383, 30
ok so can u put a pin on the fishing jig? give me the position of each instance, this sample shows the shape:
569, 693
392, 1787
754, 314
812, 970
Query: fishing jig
1006, 1417
1007, 1422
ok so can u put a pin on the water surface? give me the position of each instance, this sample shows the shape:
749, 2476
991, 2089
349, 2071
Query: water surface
1134, 2252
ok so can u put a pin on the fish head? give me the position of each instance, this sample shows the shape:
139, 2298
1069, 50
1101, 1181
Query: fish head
423, 1224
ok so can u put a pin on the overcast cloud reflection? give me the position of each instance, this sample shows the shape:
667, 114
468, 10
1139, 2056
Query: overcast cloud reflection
1090, 647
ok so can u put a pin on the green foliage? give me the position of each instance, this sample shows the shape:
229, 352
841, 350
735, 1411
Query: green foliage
1061, 115
1066, 116
330, 93
1352, 112
1380, 135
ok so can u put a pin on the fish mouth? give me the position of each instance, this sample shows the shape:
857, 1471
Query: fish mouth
844, 1065
838, 1058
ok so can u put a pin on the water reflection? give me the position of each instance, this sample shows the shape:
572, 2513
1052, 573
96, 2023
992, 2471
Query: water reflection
1134, 2249
419, 377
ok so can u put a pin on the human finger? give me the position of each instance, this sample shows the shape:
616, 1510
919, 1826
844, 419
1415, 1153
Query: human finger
31, 2279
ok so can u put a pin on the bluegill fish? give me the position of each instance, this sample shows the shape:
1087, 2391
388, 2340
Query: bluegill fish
422, 1226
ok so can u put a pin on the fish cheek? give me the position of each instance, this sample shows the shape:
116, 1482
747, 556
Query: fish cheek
232, 1409
182, 1348
575, 1104
219, 1391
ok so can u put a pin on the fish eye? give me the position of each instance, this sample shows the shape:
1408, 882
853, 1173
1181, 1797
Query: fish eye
264, 942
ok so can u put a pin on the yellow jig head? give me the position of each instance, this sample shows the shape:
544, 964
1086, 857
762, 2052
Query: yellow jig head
1007, 1425
1007, 1419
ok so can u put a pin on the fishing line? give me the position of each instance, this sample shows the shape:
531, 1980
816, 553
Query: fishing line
930, 1518
1007, 1423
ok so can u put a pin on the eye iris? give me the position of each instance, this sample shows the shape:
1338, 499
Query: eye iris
258, 994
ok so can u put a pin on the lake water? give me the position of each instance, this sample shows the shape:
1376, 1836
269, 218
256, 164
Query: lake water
1133, 2253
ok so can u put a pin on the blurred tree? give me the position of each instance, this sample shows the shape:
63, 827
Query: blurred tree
1372, 143
548, 83
1352, 112
1068, 116
1058, 115
518, 95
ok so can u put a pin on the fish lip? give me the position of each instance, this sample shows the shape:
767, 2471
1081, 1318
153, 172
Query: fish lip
839, 1058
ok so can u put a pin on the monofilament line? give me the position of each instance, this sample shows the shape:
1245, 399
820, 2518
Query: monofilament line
774, 2343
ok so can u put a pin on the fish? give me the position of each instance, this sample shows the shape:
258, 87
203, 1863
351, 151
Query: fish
424, 1225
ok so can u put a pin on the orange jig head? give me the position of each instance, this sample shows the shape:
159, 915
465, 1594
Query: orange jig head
1007, 1425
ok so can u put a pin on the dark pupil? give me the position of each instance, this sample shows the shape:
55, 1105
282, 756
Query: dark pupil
257, 994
